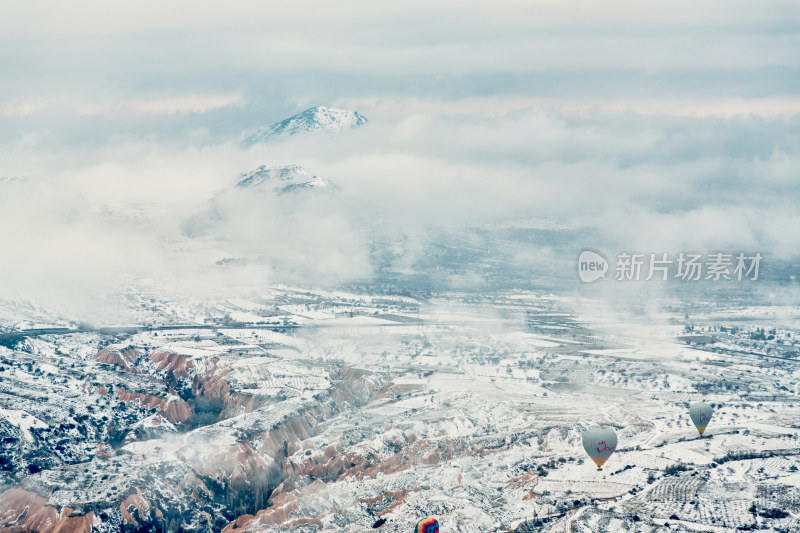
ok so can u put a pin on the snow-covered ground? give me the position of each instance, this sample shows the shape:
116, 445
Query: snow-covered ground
334, 410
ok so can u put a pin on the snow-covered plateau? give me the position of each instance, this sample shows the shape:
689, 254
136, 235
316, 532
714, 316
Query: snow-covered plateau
307, 410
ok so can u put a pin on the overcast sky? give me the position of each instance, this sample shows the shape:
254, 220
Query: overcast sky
111, 68
664, 126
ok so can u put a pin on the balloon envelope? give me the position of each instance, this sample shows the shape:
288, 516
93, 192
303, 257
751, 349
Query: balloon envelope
427, 525
700, 414
599, 443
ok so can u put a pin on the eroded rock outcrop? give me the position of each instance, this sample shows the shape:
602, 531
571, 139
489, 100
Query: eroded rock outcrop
174, 410
22, 511
125, 359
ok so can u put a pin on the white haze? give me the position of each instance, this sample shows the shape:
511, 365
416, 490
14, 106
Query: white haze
126, 124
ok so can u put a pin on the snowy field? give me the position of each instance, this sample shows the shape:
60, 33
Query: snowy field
303, 409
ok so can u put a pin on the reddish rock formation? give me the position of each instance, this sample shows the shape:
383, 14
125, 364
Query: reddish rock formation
334, 463
210, 381
176, 411
353, 387
292, 432
124, 359
237, 465
139, 505
520, 481
396, 497
195, 484
38, 517
281, 512
180, 365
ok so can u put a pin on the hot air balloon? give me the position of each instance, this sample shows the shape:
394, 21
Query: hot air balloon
599, 443
700, 413
427, 525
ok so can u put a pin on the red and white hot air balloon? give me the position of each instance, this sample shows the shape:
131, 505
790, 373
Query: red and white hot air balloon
700, 413
600, 443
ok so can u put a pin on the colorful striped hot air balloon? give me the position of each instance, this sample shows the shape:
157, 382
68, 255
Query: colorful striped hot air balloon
599, 443
700, 414
427, 525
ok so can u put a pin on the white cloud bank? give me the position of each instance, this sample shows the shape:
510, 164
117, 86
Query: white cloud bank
663, 127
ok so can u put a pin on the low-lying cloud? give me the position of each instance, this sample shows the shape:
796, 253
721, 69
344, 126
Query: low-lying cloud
89, 218
618, 119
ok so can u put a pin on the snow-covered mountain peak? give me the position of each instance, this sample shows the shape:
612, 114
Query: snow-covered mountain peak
282, 179
329, 119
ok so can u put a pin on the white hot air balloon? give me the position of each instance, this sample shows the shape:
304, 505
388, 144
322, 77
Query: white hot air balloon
700, 414
600, 443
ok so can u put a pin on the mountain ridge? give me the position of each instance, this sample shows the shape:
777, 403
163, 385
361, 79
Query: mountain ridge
318, 118
283, 178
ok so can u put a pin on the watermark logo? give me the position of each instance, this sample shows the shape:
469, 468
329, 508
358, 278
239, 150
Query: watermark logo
684, 266
591, 266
